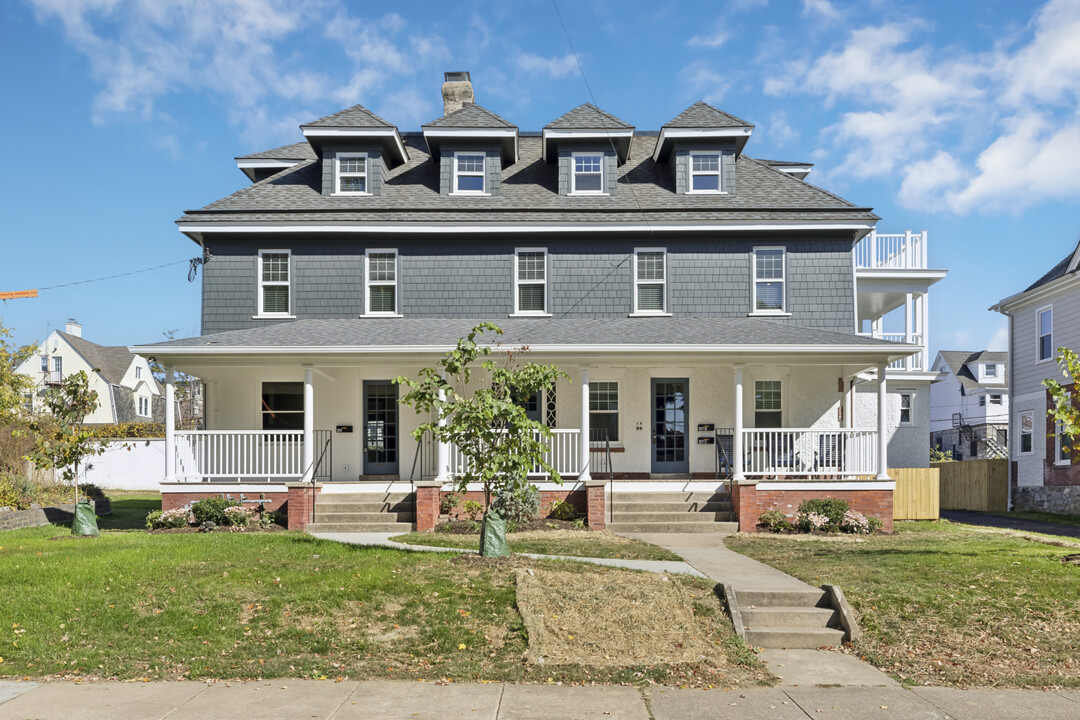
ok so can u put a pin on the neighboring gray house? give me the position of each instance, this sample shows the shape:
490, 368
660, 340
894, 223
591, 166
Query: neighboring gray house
706, 305
1042, 318
969, 405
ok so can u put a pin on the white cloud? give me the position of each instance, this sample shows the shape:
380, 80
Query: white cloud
705, 82
821, 8
714, 39
555, 67
1048, 69
925, 180
999, 341
779, 130
742, 5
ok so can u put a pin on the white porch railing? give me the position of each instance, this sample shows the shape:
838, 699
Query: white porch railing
839, 452
563, 454
916, 362
239, 454
904, 251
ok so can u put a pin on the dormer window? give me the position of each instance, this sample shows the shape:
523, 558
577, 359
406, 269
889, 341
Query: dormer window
705, 172
351, 175
588, 176
469, 169
991, 370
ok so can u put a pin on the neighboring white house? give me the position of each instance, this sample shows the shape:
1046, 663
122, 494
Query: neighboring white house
1042, 318
126, 388
969, 405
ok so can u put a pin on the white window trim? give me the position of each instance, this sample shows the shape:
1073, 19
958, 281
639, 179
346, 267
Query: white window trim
517, 283
650, 313
910, 392
986, 370
338, 174
259, 310
573, 174
1000, 399
483, 174
690, 173
616, 413
783, 311
138, 373
783, 399
1038, 336
1020, 433
368, 283
139, 407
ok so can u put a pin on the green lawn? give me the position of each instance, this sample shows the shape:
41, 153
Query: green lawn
1042, 517
946, 604
129, 509
221, 605
569, 543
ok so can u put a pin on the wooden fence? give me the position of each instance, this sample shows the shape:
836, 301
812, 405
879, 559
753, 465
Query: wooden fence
917, 495
979, 485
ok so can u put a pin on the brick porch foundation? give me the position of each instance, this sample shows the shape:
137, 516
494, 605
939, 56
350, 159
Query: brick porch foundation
748, 503
589, 503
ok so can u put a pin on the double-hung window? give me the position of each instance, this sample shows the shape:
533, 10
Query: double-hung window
469, 173
705, 172
381, 278
995, 399
44, 363
144, 406
604, 411
530, 282
769, 295
768, 411
1027, 432
351, 175
650, 281
991, 370
282, 406
588, 176
907, 407
1044, 320
274, 283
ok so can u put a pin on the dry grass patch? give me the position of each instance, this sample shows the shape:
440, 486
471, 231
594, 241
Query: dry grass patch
611, 620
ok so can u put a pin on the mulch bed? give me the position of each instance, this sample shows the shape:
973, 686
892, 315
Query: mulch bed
466, 527
219, 529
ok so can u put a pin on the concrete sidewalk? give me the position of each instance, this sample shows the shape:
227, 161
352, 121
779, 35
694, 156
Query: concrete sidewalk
391, 699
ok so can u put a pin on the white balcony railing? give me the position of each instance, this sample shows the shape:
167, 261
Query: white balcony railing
239, 454
905, 251
841, 452
563, 454
916, 362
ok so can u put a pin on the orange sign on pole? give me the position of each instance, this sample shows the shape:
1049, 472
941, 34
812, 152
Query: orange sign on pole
18, 294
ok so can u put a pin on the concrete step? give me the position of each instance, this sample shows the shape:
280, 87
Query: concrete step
366, 517
391, 527
684, 526
350, 507
670, 496
683, 507
760, 599
635, 516
364, 497
794, 638
789, 617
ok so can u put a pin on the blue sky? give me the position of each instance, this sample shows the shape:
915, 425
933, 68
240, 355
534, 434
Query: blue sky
961, 118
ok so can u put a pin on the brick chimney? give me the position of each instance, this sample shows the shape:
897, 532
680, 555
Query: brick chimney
457, 91
72, 327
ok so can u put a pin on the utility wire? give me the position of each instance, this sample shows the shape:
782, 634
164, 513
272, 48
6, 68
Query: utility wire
110, 277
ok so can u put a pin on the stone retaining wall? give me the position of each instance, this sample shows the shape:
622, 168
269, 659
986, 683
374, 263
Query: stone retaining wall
39, 516
1063, 499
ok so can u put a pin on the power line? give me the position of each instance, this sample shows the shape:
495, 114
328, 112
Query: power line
111, 277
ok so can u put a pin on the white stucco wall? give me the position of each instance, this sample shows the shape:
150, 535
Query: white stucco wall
129, 465
909, 445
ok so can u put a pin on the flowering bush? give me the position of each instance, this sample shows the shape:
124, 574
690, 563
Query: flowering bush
158, 520
212, 509
855, 522
810, 521
238, 516
774, 521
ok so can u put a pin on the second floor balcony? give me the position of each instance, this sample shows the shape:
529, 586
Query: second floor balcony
898, 251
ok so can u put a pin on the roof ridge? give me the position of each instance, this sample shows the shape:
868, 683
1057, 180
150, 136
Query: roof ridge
703, 104
789, 176
470, 107
357, 108
604, 115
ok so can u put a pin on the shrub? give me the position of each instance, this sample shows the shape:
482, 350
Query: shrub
448, 502
809, 521
831, 508
237, 516
8, 495
774, 521
521, 506
471, 509
855, 522
158, 520
212, 509
876, 523
91, 491
562, 510
124, 431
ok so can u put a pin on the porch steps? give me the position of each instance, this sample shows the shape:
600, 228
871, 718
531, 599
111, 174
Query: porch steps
363, 512
792, 619
671, 511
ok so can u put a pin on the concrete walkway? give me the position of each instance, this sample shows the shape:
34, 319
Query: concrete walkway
393, 700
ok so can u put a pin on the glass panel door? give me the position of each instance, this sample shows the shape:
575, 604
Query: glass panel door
380, 428
670, 409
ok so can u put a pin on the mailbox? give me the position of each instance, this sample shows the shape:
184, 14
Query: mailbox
344, 428
706, 427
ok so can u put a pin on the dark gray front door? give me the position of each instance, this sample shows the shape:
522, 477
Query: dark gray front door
670, 413
380, 428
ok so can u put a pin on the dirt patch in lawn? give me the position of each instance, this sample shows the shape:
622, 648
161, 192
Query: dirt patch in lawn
604, 620
469, 527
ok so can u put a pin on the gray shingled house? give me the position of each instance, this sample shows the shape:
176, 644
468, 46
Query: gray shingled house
705, 303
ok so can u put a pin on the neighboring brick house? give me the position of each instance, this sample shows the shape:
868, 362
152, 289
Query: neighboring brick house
705, 304
1042, 318
126, 388
969, 405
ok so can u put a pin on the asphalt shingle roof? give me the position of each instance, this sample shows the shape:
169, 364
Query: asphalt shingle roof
110, 360
587, 117
296, 151
958, 361
529, 193
355, 116
613, 332
471, 116
1058, 271
704, 115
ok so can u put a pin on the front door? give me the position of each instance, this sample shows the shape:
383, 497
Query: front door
670, 408
380, 428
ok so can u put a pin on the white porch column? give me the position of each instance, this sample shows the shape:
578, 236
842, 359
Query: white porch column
909, 328
442, 449
882, 413
170, 425
309, 427
585, 430
737, 444
924, 328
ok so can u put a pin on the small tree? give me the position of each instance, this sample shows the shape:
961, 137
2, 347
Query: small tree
500, 444
62, 441
13, 385
1064, 411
